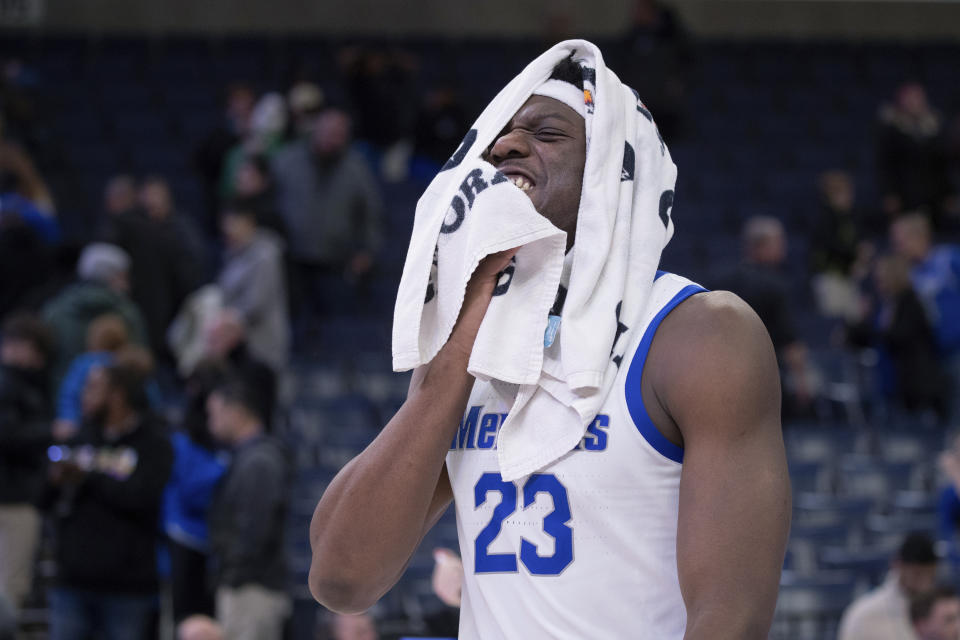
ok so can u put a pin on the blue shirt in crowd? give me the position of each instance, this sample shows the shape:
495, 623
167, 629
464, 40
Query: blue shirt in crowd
196, 471
937, 283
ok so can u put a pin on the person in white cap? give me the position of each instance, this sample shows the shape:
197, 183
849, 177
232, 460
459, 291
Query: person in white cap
103, 284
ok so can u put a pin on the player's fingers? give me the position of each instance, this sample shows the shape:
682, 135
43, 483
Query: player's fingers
495, 263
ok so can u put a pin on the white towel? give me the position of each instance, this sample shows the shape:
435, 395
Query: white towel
623, 224
486, 214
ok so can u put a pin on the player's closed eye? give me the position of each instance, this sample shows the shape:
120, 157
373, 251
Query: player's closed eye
548, 135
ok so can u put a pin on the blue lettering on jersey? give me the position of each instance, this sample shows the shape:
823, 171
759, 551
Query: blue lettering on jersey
487, 436
596, 436
467, 431
479, 431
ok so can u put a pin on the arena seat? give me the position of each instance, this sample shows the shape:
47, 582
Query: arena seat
810, 608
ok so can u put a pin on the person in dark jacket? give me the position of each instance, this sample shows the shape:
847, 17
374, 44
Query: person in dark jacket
246, 520
899, 326
106, 490
226, 345
24, 435
911, 157
758, 279
254, 186
841, 246
166, 256
332, 208
197, 468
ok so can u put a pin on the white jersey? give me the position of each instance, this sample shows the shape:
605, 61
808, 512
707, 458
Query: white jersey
585, 547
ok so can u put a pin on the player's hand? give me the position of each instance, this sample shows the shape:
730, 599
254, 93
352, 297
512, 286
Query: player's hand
477, 298
488, 271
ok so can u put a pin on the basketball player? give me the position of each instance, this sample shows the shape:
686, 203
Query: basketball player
668, 521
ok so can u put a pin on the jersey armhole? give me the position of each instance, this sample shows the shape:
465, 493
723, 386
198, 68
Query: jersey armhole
633, 391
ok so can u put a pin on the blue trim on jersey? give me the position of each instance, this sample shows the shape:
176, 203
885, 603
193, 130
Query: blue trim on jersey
659, 274
632, 388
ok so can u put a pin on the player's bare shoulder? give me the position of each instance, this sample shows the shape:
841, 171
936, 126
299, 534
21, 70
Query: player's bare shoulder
711, 322
713, 347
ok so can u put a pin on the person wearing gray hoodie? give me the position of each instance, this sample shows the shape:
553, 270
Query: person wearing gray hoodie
254, 285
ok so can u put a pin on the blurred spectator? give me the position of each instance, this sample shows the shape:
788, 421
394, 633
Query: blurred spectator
839, 251
157, 202
655, 60
264, 136
247, 520
331, 205
210, 155
25, 350
199, 627
306, 100
935, 274
899, 326
254, 284
165, 252
29, 231
23, 183
884, 613
359, 626
107, 486
447, 582
106, 335
383, 92
936, 615
911, 157
226, 346
21, 114
120, 195
255, 187
189, 493
447, 577
8, 619
441, 123
104, 271
757, 279
948, 505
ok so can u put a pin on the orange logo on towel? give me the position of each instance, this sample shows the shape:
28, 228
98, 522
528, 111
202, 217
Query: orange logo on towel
587, 97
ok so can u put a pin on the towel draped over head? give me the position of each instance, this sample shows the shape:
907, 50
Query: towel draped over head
554, 386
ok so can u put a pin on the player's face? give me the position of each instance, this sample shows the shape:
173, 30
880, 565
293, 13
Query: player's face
543, 150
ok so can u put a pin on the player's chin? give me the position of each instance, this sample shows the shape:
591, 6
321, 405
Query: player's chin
539, 202
543, 208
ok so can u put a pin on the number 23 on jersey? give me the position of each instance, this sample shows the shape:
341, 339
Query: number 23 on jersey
555, 524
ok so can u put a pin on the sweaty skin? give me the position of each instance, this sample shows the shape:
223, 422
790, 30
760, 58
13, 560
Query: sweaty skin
710, 384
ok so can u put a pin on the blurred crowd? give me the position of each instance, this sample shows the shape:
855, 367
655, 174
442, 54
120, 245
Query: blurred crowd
140, 384
142, 373
888, 272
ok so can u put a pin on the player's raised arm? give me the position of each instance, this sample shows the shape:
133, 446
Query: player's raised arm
377, 509
718, 380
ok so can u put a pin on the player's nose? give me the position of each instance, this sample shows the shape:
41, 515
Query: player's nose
513, 144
